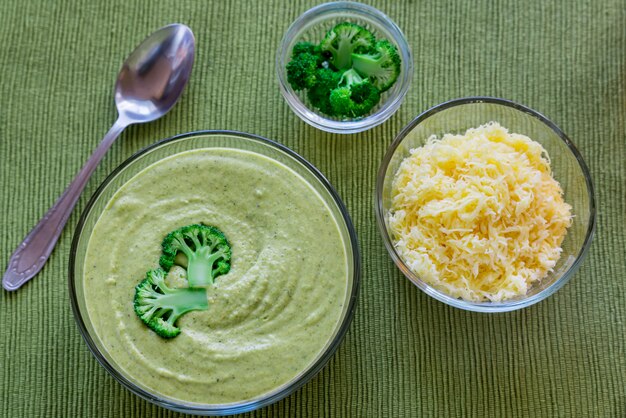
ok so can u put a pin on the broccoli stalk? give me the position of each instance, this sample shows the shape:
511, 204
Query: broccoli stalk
345, 39
355, 96
381, 67
206, 249
159, 307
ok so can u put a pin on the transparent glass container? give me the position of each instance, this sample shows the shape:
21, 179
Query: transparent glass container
568, 168
312, 27
202, 140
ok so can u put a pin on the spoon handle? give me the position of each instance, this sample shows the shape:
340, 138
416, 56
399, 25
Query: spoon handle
31, 255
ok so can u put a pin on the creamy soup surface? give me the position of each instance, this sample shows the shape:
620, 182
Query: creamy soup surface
268, 318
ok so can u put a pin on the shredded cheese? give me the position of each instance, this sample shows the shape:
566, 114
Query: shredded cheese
479, 216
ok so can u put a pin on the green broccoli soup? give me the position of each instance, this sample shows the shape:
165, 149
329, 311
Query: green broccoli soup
267, 315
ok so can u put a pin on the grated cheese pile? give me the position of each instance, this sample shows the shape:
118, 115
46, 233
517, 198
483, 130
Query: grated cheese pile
479, 215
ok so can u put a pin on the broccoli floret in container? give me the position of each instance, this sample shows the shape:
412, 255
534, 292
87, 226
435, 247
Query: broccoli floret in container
345, 39
319, 94
159, 306
303, 46
381, 67
206, 253
355, 95
306, 59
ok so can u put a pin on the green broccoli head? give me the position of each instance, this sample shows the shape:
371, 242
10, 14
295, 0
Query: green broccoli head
355, 96
302, 69
159, 306
206, 249
381, 67
344, 40
302, 47
319, 94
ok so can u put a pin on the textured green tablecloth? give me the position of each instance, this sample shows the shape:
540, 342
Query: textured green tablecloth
405, 354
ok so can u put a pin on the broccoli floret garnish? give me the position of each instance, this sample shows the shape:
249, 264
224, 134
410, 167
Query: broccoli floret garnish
206, 249
381, 67
319, 94
159, 306
207, 255
355, 96
345, 39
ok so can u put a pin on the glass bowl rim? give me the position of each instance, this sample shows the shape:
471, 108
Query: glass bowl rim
489, 307
259, 402
392, 103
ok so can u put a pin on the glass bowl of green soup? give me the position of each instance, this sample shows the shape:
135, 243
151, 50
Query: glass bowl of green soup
230, 319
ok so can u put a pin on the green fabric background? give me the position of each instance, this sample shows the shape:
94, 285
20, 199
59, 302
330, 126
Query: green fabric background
405, 354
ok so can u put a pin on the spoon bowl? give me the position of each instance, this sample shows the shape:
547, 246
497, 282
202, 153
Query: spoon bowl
150, 82
155, 74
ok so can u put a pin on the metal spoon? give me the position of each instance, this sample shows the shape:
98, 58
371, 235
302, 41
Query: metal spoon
149, 84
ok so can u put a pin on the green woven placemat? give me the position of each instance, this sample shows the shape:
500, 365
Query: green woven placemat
405, 354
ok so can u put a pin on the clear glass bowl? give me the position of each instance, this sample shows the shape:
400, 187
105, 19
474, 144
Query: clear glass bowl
168, 147
568, 168
312, 27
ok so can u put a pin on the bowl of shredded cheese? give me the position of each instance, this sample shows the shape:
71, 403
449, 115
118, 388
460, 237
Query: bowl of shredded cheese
485, 204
